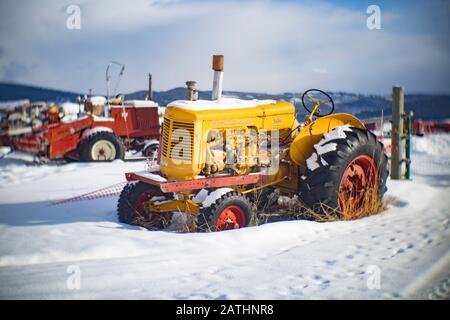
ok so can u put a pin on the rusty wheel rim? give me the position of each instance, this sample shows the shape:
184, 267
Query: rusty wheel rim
232, 217
358, 179
146, 219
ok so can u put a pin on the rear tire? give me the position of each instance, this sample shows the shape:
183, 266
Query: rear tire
130, 208
322, 189
101, 146
230, 211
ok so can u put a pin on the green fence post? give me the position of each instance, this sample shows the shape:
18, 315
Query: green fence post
408, 126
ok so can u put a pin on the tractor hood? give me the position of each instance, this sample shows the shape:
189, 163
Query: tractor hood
224, 108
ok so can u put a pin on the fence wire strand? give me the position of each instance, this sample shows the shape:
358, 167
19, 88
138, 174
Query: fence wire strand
106, 192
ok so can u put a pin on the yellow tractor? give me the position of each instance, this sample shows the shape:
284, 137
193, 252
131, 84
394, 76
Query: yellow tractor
216, 154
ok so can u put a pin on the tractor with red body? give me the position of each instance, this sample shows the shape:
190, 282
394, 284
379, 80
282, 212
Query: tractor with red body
104, 131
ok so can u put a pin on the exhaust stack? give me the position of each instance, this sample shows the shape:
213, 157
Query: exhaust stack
218, 63
150, 92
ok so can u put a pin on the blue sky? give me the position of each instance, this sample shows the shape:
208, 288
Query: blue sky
269, 46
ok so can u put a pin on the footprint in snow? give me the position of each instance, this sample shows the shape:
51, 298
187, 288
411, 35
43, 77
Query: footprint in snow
330, 262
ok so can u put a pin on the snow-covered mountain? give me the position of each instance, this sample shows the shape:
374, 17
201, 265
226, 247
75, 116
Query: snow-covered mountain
424, 106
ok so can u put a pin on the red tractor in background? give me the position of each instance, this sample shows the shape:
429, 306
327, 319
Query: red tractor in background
102, 130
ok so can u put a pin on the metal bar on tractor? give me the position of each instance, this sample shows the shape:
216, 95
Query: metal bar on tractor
131, 176
215, 182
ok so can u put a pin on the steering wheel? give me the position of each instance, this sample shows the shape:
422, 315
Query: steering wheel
313, 95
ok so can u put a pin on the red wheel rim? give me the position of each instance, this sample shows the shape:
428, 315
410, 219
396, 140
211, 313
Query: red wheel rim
146, 219
358, 180
232, 217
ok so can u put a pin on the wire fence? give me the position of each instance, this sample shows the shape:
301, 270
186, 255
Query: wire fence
106, 192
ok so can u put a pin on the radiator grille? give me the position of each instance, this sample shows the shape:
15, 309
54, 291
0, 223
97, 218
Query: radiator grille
171, 138
186, 143
165, 137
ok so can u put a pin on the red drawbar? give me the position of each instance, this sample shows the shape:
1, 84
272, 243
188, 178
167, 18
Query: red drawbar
214, 182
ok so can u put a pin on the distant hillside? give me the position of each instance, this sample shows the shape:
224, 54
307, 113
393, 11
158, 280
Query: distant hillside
11, 91
363, 106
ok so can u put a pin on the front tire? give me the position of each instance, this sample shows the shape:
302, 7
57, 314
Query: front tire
101, 146
349, 174
230, 211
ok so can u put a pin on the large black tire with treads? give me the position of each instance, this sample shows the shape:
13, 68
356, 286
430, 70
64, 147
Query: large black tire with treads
319, 186
130, 208
108, 143
231, 211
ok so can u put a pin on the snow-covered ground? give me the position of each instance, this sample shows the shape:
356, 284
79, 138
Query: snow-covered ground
401, 253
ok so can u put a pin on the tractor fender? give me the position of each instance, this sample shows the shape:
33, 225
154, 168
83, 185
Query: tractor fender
90, 131
150, 142
302, 146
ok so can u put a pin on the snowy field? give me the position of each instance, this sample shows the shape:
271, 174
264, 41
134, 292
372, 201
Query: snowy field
401, 253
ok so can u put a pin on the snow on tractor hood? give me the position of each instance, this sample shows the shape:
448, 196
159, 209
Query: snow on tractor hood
138, 104
221, 104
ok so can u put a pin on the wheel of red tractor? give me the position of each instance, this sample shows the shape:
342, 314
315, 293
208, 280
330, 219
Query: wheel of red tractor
151, 151
348, 174
130, 208
230, 211
101, 146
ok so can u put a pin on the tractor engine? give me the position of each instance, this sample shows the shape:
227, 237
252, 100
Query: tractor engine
234, 150
203, 138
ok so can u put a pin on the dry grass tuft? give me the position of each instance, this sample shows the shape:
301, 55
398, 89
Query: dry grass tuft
354, 209
293, 208
362, 204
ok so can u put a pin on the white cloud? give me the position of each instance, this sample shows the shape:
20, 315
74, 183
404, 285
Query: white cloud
272, 47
